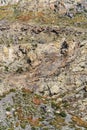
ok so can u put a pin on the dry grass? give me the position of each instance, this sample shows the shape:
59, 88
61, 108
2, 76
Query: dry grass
5, 12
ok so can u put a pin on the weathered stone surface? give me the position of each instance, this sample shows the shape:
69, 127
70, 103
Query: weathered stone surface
43, 63
62, 7
37, 57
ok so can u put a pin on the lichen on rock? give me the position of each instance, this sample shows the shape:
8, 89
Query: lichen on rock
43, 64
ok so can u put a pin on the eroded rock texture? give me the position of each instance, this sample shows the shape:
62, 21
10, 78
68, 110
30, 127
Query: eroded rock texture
37, 56
43, 65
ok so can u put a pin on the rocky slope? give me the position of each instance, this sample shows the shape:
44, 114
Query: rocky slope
57, 5
43, 66
22, 53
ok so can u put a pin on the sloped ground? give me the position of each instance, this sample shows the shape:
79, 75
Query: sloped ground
43, 71
22, 109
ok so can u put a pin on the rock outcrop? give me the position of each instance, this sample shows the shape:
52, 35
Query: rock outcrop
43, 64
62, 7
43, 56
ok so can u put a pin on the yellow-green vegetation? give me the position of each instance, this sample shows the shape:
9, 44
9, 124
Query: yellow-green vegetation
12, 13
6, 12
31, 109
27, 107
55, 105
58, 122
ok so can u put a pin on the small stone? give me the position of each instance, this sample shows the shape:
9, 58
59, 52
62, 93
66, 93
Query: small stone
59, 100
8, 114
57, 112
13, 109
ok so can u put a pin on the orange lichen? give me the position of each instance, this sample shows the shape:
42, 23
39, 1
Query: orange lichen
36, 101
24, 17
33, 121
26, 90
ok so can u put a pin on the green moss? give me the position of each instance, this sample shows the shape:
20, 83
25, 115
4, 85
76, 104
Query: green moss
65, 104
12, 90
3, 128
23, 124
33, 128
63, 114
46, 128
19, 70
8, 108
6, 68
10, 129
78, 128
55, 105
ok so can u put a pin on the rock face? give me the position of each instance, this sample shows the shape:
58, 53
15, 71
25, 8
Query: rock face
43, 64
43, 58
48, 57
62, 7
